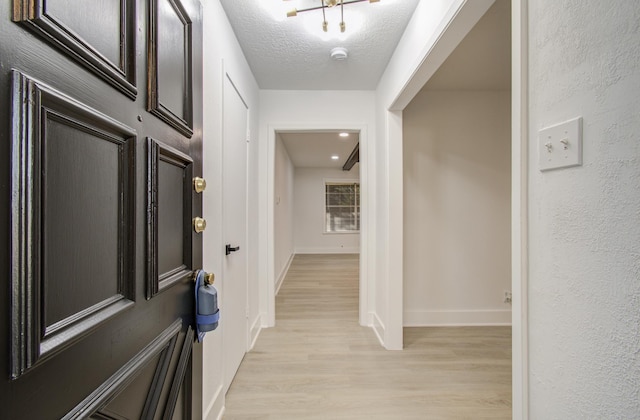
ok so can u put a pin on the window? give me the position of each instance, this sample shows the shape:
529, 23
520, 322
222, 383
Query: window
342, 207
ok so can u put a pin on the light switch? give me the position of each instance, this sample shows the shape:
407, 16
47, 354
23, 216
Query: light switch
560, 146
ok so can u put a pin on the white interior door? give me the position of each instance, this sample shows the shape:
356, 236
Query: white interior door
234, 178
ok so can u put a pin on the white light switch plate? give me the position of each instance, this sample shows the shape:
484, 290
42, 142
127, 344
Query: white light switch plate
560, 146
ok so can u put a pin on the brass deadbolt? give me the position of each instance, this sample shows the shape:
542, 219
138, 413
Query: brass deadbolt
199, 224
199, 184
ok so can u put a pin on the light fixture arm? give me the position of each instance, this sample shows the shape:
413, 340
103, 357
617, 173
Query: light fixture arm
323, 6
325, 24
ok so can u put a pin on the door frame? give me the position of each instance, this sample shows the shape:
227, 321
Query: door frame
519, 208
268, 285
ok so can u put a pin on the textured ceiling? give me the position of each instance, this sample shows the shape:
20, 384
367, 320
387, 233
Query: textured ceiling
294, 53
314, 149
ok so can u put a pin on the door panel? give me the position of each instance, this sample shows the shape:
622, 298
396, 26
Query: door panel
99, 215
234, 293
169, 250
170, 65
99, 18
178, 403
171, 215
142, 375
99, 34
73, 167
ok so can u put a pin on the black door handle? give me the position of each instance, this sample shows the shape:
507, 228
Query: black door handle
229, 249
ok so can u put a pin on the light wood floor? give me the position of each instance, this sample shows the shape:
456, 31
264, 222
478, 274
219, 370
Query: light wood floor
319, 363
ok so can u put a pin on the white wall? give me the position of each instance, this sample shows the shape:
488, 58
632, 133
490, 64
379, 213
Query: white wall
306, 110
283, 213
584, 222
457, 221
222, 55
309, 191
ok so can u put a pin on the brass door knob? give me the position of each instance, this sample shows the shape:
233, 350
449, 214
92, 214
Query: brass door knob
208, 278
199, 224
199, 184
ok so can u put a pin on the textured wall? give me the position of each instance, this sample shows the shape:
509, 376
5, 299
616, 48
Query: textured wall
457, 208
584, 285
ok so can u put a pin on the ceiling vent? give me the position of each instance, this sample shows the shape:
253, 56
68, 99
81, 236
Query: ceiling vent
339, 53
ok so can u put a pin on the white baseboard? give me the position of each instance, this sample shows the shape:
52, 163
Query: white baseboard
283, 273
264, 320
457, 318
215, 409
254, 331
369, 320
378, 327
332, 250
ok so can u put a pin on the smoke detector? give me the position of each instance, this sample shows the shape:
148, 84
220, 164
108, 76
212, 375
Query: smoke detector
339, 53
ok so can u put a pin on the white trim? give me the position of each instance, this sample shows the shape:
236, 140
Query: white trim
215, 409
267, 287
367, 231
457, 318
347, 250
394, 247
455, 25
283, 273
519, 209
247, 242
353, 232
268, 293
377, 326
254, 332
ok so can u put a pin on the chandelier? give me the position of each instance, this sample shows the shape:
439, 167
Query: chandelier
328, 4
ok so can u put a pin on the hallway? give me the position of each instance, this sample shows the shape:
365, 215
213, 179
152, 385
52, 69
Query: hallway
319, 363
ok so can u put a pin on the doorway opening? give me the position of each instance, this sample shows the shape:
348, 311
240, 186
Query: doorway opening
301, 167
316, 205
457, 192
457, 184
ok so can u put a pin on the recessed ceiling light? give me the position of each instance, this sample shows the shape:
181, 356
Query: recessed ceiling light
335, 157
344, 134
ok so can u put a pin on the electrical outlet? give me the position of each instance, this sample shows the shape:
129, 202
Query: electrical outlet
507, 296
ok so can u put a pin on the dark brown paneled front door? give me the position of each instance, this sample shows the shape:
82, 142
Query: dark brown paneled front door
100, 138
